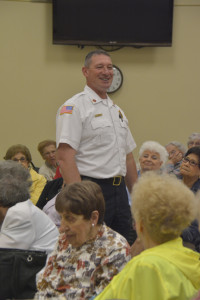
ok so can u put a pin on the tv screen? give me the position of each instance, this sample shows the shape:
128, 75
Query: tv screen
113, 22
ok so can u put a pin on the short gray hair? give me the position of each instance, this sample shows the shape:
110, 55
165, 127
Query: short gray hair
91, 54
178, 145
194, 136
156, 147
15, 183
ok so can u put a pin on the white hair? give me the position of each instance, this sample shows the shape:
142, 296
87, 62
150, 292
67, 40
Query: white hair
156, 147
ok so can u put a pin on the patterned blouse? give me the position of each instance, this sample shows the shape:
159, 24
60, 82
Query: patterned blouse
85, 271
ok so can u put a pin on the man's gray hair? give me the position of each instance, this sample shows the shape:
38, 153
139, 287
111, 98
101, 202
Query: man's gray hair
91, 54
156, 147
15, 183
178, 145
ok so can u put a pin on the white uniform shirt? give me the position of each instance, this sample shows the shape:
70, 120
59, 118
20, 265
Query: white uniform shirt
98, 130
27, 227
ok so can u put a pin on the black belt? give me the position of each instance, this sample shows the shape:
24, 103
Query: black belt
117, 180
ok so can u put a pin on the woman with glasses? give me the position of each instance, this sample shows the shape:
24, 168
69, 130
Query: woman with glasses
21, 154
190, 175
190, 169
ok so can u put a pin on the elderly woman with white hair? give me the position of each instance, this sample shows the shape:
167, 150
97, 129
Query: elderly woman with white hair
152, 157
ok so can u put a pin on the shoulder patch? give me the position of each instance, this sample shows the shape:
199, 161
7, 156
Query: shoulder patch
68, 109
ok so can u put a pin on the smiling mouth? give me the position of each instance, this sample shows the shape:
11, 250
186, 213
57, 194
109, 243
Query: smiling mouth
105, 79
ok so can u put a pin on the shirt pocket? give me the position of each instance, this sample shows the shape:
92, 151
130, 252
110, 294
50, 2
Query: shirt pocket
102, 130
100, 123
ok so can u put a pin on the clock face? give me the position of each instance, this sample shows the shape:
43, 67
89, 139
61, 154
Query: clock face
117, 80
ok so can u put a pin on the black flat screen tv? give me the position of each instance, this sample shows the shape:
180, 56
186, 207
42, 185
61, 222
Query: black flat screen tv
113, 22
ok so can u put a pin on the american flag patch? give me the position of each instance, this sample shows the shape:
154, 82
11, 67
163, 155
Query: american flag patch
66, 110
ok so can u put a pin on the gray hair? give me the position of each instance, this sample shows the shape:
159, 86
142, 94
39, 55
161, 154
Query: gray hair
156, 147
15, 182
178, 145
91, 54
194, 136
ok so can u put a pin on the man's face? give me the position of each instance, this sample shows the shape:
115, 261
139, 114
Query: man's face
99, 74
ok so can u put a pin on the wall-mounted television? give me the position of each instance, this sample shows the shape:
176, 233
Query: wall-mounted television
113, 22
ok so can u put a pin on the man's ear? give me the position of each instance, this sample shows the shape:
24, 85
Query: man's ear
85, 71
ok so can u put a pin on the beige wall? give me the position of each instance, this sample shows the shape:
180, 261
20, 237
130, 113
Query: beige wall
160, 94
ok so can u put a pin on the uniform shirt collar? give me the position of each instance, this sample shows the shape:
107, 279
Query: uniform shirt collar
95, 98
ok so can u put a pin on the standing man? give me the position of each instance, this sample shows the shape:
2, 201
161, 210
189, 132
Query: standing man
95, 143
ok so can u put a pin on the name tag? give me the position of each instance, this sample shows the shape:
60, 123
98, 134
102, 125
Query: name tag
98, 115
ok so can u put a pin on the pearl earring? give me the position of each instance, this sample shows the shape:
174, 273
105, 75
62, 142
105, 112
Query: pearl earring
92, 224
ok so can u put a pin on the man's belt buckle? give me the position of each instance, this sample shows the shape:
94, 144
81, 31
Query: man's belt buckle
117, 180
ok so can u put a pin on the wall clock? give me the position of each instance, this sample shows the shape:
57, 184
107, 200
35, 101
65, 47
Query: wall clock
117, 80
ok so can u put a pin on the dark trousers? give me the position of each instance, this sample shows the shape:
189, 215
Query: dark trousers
117, 213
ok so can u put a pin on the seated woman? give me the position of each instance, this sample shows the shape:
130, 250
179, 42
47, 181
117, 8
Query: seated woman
152, 156
27, 235
190, 174
176, 153
23, 225
162, 206
22, 154
190, 169
88, 253
47, 150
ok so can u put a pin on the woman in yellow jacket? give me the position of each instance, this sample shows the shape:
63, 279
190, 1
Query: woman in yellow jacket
162, 207
21, 153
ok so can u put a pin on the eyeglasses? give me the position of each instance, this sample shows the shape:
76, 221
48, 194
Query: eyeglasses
21, 159
191, 162
194, 144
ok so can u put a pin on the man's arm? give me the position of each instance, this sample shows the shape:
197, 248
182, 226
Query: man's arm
131, 174
66, 159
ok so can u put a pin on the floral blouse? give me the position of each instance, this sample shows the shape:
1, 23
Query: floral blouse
85, 271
